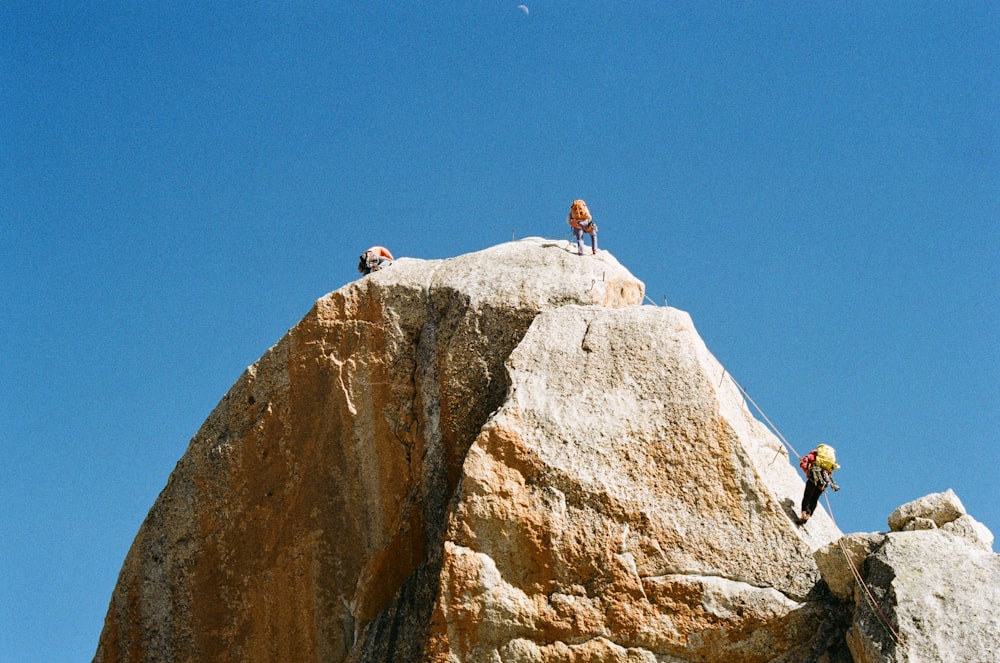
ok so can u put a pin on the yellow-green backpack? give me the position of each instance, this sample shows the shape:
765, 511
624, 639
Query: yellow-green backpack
826, 457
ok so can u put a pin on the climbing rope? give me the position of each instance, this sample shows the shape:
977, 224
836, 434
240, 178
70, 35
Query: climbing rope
872, 603
757, 407
883, 620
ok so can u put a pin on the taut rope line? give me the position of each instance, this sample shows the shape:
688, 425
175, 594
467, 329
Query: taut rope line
883, 620
757, 407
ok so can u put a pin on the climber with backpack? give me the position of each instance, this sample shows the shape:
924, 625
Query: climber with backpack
819, 465
581, 222
374, 259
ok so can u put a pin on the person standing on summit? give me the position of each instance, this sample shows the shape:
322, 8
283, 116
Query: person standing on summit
580, 221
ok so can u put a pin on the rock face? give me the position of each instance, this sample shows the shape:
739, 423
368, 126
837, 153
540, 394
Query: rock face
930, 588
939, 594
497, 457
614, 505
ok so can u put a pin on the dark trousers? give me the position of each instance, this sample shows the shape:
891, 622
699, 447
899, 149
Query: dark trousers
810, 497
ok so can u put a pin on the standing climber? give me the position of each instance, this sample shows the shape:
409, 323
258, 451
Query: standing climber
818, 465
374, 259
581, 222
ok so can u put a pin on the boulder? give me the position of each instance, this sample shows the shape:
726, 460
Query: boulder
972, 530
841, 562
933, 599
939, 508
925, 594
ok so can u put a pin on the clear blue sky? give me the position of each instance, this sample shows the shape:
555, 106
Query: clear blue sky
816, 183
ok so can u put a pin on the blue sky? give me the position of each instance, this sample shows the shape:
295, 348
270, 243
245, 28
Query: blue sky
817, 184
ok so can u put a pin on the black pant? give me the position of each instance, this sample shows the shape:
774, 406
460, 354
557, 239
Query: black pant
810, 497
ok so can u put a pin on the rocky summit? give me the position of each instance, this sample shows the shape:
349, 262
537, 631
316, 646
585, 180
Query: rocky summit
504, 456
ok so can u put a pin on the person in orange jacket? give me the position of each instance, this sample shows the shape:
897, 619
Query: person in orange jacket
374, 259
580, 221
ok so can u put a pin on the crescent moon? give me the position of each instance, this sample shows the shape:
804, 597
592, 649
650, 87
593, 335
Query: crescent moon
523, 8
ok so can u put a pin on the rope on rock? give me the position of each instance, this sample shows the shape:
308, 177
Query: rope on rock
870, 598
757, 407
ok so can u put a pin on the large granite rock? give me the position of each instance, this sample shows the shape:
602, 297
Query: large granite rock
622, 492
499, 456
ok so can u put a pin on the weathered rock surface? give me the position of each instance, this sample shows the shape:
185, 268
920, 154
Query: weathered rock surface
927, 592
495, 457
840, 562
937, 592
971, 530
939, 508
942, 510
613, 496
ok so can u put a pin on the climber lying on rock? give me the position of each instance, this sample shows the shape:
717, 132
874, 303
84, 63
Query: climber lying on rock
374, 259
